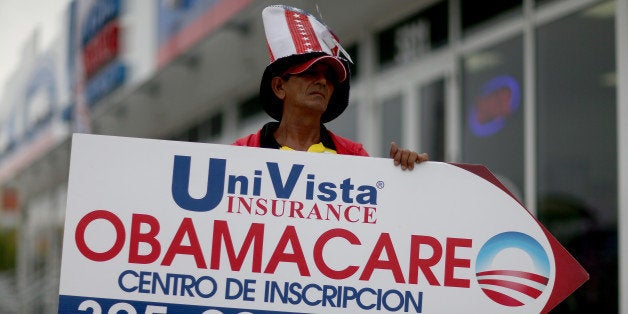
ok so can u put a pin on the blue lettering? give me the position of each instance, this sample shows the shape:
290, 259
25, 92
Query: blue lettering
181, 184
144, 282
257, 183
284, 190
165, 287
416, 303
349, 293
99, 14
329, 294
295, 293
109, 78
283, 186
212, 284
343, 297
359, 299
121, 281
327, 188
275, 289
173, 284
388, 306
244, 184
346, 188
369, 195
305, 294
309, 190
187, 283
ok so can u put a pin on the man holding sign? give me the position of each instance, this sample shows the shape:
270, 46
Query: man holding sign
174, 227
306, 85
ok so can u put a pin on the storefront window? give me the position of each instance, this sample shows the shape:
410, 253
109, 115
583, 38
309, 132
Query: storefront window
493, 113
542, 2
474, 13
432, 101
352, 50
249, 108
8, 248
391, 124
577, 152
211, 129
413, 37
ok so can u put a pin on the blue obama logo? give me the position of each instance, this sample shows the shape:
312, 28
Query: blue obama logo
512, 269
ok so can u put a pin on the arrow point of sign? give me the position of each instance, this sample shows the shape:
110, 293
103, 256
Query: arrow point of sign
570, 275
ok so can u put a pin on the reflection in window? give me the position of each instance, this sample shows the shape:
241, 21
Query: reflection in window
8, 248
391, 124
188, 135
249, 108
493, 113
207, 131
414, 37
355, 57
432, 126
474, 13
211, 129
542, 2
577, 153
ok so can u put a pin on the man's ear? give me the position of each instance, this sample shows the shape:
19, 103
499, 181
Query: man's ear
278, 88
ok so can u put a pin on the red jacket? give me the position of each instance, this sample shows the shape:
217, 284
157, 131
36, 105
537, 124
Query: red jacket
344, 146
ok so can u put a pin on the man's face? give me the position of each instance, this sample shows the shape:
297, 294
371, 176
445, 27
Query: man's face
310, 89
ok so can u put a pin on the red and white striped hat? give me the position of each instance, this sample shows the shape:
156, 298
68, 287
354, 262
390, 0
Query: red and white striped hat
296, 40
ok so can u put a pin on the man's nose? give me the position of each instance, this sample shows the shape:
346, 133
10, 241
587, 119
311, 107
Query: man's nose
322, 78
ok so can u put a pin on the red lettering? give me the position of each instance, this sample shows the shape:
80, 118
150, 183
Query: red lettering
319, 260
494, 105
145, 248
261, 207
254, 236
176, 247
301, 210
316, 212
101, 49
347, 213
138, 237
383, 244
230, 204
452, 262
79, 236
368, 215
335, 213
247, 205
416, 262
289, 236
275, 211
296, 207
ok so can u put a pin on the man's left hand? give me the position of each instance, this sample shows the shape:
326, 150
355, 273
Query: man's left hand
405, 157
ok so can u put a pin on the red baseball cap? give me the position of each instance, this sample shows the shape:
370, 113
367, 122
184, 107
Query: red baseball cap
334, 63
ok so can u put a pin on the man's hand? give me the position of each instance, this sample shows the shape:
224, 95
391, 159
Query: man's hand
405, 157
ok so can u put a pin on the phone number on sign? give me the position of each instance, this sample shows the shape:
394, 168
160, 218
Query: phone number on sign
72, 304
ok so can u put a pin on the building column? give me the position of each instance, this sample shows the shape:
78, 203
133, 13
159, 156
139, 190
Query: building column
621, 35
